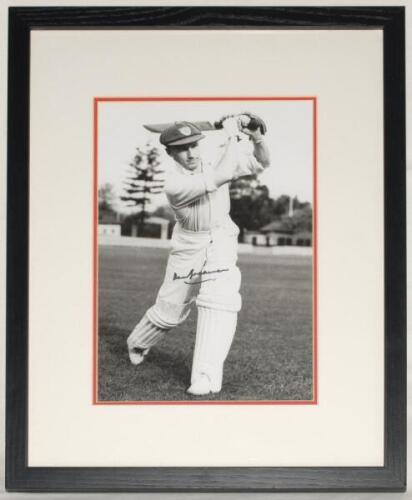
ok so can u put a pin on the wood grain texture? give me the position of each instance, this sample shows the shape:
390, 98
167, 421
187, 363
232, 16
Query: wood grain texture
204, 17
395, 245
392, 476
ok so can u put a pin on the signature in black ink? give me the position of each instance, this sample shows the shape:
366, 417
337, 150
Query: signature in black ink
192, 273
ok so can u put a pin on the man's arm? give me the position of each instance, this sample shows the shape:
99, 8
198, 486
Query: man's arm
225, 168
261, 152
182, 190
234, 162
256, 135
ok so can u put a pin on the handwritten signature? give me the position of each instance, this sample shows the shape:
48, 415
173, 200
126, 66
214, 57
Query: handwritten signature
192, 273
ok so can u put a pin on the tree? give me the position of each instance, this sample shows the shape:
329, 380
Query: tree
281, 206
250, 204
146, 178
300, 205
302, 218
106, 197
106, 200
253, 208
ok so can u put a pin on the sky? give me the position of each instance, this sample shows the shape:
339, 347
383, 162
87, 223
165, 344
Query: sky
289, 138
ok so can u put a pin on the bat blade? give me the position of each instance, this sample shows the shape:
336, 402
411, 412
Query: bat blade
204, 126
160, 127
157, 127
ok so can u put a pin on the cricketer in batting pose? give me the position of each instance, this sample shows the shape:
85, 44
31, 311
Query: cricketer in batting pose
202, 263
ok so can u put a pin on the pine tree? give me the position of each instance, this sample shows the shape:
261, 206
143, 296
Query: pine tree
146, 178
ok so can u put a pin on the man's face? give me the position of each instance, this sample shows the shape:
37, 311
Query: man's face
187, 155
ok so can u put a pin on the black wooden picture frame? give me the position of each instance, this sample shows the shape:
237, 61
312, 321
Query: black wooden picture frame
390, 477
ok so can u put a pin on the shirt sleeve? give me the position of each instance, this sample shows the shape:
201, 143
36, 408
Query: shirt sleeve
247, 165
181, 190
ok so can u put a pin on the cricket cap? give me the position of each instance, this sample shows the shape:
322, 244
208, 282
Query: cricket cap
180, 133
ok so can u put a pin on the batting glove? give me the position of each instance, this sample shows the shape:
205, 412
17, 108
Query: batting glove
252, 125
231, 126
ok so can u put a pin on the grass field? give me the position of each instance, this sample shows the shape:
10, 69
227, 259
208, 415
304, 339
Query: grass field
271, 356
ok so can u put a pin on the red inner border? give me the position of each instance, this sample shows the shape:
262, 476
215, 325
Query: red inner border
95, 276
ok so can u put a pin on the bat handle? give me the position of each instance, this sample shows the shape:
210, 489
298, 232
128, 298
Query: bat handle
252, 125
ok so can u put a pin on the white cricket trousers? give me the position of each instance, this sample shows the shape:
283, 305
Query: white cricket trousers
201, 268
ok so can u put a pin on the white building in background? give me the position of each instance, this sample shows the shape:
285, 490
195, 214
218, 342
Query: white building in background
278, 233
109, 229
109, 224
254, 238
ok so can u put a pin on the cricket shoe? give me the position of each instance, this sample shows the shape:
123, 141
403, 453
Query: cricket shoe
203, 386
137, 355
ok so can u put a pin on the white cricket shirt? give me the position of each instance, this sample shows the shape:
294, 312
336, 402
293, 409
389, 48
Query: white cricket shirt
198, 204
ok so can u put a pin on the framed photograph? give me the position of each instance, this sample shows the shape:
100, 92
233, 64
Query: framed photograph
206, 262
272, 239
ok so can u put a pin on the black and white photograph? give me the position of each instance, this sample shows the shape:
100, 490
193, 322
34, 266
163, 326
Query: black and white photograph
206, 271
